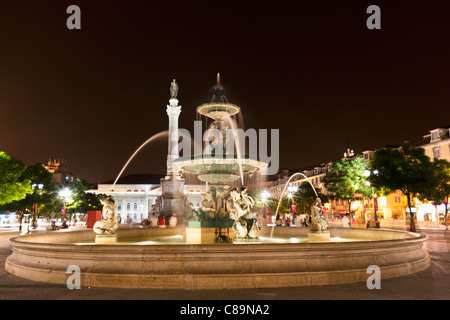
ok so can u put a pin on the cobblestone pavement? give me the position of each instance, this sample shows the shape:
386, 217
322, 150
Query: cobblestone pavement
432, 283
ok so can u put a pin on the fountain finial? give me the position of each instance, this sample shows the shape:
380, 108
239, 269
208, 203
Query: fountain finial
218, 96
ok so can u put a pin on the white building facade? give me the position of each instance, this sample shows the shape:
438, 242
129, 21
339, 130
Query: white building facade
135, 195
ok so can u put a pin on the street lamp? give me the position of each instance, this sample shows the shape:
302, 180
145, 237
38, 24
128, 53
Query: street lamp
292, 189
265, 195
65, 194
36, 186
367, 173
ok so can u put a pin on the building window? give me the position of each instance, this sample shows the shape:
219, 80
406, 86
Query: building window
128, 206
437, 152
135, 206
434, 136
119, 207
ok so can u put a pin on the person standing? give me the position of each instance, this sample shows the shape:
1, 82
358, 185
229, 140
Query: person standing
161, 221
173, 221
346, 221
154, 220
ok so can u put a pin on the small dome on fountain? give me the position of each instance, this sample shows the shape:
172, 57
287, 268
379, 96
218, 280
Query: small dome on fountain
219, 95
218, 108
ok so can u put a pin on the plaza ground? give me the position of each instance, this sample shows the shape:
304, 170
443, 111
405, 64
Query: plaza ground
433, 283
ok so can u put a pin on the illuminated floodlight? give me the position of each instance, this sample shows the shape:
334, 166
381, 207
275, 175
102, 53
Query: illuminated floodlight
265, 195
65, 193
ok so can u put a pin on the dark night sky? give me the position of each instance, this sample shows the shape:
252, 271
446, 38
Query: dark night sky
309, 68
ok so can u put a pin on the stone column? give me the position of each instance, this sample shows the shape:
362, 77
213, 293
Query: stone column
172, 185
173, 111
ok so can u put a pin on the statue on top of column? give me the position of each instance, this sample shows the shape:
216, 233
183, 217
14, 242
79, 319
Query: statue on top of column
173, 89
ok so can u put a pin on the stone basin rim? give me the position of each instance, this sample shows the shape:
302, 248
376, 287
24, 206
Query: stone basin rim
218, 266
415, 237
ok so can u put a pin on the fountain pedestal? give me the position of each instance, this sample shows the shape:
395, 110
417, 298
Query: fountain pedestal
200, 235
208, 232
106, 239
318, 236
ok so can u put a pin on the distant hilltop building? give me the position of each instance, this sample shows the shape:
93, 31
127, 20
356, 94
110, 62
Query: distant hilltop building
61, 172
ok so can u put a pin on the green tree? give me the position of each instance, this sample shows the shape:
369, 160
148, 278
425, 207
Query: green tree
441, 191
346, 180
13, 185
261, 201
42, 195
407, 169
83, 201
305, 197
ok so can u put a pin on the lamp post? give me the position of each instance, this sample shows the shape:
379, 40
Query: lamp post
65, 194
292, 189
265, 195
36, 186
367, 173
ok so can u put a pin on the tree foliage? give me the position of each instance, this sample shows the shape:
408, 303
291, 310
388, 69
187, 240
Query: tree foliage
82, 201
346, 180
13, 185
407, 169
305, 197
441, 191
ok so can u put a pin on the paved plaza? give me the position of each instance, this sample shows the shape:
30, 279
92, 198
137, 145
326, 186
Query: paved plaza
432, 283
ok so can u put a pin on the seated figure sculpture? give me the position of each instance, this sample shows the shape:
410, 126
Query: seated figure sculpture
313, 219
109, 224
239, 205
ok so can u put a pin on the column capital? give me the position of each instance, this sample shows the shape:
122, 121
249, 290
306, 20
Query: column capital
173, 109
173, 102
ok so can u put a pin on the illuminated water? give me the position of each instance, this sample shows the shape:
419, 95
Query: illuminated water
284, 190
152, 138
238, 147
179, 240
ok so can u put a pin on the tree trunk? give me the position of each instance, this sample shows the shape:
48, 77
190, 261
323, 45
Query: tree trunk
412, 227
446, 214
20, 220
350, 211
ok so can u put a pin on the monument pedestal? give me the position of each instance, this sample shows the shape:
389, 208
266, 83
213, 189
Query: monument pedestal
314, 236
172, 196
106, 239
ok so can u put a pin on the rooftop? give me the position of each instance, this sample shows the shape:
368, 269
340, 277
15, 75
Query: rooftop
138, 179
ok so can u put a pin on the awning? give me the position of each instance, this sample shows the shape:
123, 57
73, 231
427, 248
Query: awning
338, 212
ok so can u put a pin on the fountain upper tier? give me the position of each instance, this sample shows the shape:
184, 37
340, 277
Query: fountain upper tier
218, 170
227, 168
218, 110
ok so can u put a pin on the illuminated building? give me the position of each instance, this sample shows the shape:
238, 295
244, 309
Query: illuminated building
61, 173
437, 143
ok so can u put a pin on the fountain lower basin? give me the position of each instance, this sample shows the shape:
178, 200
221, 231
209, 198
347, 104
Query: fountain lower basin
158, 258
